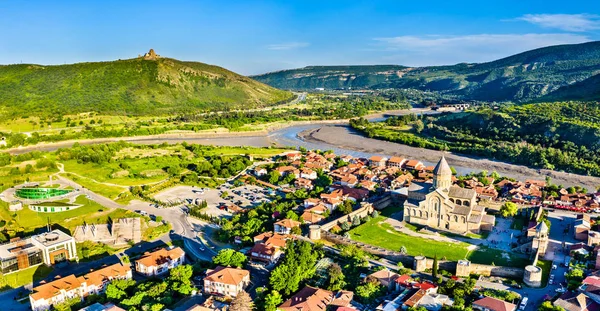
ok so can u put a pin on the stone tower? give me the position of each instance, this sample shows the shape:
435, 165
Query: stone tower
442, 175
540, 241
151, 55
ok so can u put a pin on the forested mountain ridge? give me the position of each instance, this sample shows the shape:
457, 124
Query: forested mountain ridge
128, 87
523, 77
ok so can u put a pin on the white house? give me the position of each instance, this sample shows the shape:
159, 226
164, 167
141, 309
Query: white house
45, 295
285, 226
225, 281
160, 261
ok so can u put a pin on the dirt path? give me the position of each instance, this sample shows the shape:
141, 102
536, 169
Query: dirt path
342, 136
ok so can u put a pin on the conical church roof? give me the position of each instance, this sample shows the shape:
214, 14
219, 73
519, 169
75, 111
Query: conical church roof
442, 168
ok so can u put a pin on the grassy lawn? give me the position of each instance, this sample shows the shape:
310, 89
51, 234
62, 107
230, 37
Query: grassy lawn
88, 250
384, 235
23, 277
110, 192
152, 233
379, 233
546, 266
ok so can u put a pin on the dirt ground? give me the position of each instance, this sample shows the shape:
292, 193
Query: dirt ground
342, 136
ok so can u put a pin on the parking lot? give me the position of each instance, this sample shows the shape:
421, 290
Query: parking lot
246, 196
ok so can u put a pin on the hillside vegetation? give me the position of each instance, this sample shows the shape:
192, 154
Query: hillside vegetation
128, 87
551, 71
562, 135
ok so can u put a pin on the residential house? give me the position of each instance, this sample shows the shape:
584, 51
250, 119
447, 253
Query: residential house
308, 299
377, 161
414, 165
268, 247
493, 304
349, 180
576, 301
109, 306
311, 218
160, 261
260, 171
226, 281
367, 184
581, 228
44, 296
307, 173
396, 162
285, 226
288, 170
303, 183
293, 156
386, 278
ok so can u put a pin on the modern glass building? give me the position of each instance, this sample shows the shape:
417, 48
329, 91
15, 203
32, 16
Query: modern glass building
40, 193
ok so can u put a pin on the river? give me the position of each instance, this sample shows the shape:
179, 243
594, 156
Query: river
340, 138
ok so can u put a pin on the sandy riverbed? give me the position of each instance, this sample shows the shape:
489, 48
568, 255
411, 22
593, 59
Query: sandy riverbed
342, 136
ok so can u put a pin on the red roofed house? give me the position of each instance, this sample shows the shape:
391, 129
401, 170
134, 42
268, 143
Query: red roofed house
226, 281
308, 299
377, 161
414, 165
285, 226
396, 162
493, 304
160, 261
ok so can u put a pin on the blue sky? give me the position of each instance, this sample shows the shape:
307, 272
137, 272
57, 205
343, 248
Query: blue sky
253, 37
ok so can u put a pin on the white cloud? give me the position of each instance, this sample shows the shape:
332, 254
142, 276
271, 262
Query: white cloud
288, 46
444, 50
566, 22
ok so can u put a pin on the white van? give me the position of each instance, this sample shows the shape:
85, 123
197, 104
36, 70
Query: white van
523, 303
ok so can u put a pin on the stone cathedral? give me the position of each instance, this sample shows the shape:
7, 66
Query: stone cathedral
442, 205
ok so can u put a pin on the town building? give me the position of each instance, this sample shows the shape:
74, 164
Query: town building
109, 306
226, 281
493, 304
285, 226
46, 248
442, 205
46, 295
315, 299
160, 261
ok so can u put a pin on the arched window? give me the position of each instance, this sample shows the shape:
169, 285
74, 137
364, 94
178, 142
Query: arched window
414, 212
452, 200
459, 202
464, 219
421, 214
466, 203
455, 218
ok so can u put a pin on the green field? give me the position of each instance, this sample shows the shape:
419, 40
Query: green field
23, 277
379, 233
27, 220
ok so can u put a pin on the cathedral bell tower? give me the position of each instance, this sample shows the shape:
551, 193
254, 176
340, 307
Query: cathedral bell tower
442, 175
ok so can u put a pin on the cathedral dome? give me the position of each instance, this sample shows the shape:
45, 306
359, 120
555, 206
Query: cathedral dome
442, 168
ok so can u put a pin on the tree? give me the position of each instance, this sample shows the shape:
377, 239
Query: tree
336, 277
274, 176
180, 278
419, 126
370, 290
356, 221
346, 207
434, 268
296, 230
547, 306
230, 257
509, 209
242, 302
116, 289
403, 249
375, 214
272, 300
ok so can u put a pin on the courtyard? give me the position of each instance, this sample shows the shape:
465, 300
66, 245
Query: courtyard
387, 232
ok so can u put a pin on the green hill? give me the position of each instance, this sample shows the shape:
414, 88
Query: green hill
129, 87
523, 77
